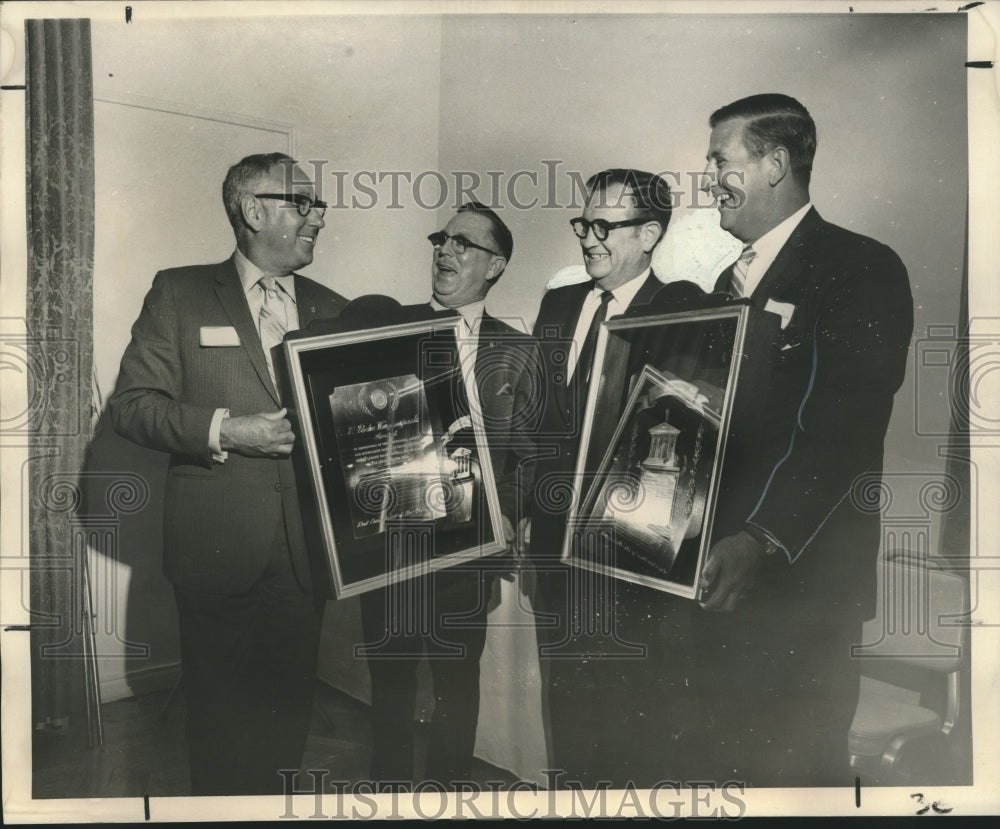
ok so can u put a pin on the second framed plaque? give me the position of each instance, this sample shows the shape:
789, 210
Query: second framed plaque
672, 412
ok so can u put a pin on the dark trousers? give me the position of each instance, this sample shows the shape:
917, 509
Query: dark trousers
249, 672
617, 672
443, 614
780, 691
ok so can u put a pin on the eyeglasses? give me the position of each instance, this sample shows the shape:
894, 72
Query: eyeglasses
459, 243
602, 228
302, 202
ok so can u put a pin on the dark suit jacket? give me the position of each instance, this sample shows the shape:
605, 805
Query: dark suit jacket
220, 520
508, 379
835, 369
561, 420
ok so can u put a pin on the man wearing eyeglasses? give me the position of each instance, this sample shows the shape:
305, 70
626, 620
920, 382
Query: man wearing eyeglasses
197, 382
445, 614
596, 704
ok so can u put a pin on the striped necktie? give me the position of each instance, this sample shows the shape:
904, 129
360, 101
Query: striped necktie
273, 318
740, 268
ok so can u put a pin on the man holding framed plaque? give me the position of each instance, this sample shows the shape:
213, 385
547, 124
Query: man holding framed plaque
197, 382
598, 635
444, 613
792, 576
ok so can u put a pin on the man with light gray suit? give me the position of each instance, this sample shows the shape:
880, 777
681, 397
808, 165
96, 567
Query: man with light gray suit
197, 381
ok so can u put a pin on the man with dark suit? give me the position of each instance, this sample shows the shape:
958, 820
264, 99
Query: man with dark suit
792, 576
197, 382
445, 613
598, 636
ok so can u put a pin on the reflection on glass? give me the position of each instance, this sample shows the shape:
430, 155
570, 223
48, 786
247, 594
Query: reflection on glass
653, 482
394, 466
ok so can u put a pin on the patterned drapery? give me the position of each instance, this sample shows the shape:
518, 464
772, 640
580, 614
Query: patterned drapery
59, 117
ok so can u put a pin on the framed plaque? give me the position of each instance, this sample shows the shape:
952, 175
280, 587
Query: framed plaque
392, 454
669, 415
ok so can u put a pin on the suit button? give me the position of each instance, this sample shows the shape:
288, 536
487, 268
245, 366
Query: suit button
277, 487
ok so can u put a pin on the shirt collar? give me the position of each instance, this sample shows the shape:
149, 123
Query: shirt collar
472, 313
624, 294
768, 245
250, 275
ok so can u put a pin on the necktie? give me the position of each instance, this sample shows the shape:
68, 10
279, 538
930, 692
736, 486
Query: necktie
740, 268
273, 318
584, 365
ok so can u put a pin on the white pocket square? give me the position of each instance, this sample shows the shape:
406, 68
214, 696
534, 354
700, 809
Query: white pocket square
782, 309
218, 336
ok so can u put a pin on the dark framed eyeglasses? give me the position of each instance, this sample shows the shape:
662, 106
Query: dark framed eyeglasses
458, 242
302, 202
582, 226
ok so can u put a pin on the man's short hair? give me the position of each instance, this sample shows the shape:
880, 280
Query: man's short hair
650, 192
774, 120
498, 230
243, 178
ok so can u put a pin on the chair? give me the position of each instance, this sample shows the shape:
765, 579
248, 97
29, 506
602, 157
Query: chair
920, 633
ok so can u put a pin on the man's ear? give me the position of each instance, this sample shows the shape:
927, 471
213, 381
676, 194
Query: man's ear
651, 233
252, 212
779, 165
496, 268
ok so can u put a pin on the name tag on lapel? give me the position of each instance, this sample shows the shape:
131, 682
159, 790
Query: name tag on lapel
218, 336
782, 309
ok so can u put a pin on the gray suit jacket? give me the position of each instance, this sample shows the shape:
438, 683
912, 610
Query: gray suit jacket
220, 520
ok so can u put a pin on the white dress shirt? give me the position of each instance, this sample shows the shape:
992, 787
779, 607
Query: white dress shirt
768, 246
253, 291
622, 297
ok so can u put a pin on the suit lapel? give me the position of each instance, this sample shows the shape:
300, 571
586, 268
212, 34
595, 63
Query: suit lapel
787, 267
648, 290
567, 328
229, 289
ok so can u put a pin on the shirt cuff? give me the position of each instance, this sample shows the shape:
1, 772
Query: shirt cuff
770, 543
219, 455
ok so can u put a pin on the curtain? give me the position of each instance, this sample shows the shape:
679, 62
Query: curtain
59, 118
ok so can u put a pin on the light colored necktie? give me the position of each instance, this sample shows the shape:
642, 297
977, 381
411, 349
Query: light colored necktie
740, 268
273, 318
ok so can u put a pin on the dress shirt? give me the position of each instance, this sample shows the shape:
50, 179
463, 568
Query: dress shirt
250, 276
622, 297
468, 336
768, 246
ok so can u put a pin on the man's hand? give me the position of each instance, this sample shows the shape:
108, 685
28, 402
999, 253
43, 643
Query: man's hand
730, 572
264, 435
523, 537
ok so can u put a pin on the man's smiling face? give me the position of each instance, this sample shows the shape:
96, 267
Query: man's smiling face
458, 279
624, 254
739, 183
287, 239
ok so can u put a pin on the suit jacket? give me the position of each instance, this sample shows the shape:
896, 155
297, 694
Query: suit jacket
220, 519
561, 420
508, 378
836, 366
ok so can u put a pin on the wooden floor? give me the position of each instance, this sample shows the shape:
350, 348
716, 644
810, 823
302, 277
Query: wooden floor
144, 751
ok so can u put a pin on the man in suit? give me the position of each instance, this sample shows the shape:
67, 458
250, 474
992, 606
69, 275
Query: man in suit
197, 382
445, 613
598, 636
792, 573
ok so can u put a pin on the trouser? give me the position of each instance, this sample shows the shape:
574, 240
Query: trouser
780, 690
249, 668
617, 671
443, 614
